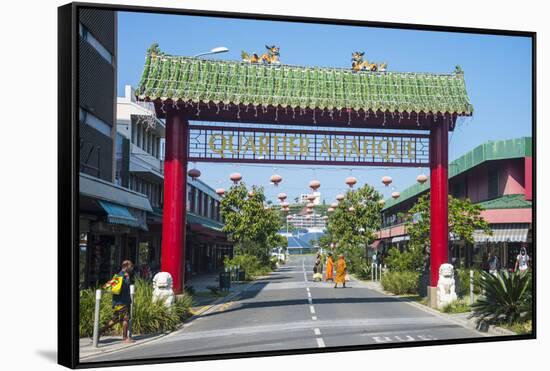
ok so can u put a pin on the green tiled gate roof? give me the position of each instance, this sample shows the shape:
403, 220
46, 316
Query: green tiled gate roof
199, 80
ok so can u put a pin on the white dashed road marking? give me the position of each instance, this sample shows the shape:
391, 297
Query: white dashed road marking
317, 331
320, 343
311, 309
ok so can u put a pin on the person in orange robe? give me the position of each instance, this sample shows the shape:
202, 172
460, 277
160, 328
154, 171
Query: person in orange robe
340, 271
330, 268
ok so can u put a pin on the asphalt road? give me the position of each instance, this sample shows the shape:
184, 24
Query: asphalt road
289, 311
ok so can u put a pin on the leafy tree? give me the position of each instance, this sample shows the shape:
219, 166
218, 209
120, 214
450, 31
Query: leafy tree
464, 219
250, 226
351, 231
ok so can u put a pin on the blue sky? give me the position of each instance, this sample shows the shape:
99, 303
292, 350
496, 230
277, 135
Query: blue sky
497, 72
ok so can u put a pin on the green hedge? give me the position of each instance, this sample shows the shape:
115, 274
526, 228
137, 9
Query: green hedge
148, 316
400, 283
463, 286
251, 265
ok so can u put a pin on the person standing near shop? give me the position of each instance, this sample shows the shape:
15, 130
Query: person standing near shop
494, 263
522, 261
121, 301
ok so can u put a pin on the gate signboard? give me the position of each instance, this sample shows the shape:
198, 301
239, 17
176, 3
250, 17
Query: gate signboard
238, 144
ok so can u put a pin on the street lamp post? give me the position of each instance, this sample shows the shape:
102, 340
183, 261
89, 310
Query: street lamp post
220, 49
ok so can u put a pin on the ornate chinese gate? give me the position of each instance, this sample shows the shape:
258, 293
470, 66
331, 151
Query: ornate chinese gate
423, 106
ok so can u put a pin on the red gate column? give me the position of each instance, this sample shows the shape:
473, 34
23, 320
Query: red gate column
439, 212
175, 191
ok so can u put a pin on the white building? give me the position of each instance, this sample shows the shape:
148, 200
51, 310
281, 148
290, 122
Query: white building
304, 200
139, 127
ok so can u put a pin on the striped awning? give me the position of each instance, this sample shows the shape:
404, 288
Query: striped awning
513, 232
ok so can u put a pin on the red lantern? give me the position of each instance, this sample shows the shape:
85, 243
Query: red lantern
310, 211
395, 195
308, 216
351, 208
311, 197
250, 193
381, 202
421, 178
386, 180
289, 217
276, 179
281, 196
194, 173
235, 177
340, 197
334, 205
310, 205
220, 192
284, 204
351, 181
325, 218
330, 210
314, 184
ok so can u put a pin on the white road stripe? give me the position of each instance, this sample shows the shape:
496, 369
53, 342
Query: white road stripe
314, 318
309, 300
311, 309
320, 343
317, 331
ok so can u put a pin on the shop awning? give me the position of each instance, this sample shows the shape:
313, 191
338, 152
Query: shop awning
504, 233
117, 214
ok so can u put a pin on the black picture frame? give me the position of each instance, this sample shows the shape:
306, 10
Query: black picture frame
68, 180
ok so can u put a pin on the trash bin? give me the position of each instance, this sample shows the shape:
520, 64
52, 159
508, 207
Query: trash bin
241, 275
225, 280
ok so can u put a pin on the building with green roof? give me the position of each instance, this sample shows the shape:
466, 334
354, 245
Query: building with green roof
496, 175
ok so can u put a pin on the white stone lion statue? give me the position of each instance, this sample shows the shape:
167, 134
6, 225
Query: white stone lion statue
445, 285
162, 288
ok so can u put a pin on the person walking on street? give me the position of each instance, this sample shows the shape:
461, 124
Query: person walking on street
522, 261
121, 301
341, 270
330, 268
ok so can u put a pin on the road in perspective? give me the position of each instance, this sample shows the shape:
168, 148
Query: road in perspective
289, 311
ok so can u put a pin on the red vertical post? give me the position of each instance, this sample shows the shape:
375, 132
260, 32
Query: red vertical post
439, 212
175, 191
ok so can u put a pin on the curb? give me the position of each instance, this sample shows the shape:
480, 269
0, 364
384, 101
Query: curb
124, 347
206, 309
471, 324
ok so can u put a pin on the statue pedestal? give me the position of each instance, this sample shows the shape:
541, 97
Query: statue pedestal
432, 297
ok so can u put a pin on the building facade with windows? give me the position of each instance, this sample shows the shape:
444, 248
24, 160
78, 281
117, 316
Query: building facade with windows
139, 159
110, 215
497, 176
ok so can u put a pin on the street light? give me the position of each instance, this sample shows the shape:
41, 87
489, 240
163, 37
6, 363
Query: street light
220, 49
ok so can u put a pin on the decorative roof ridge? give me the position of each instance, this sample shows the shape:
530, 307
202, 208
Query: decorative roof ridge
328, 68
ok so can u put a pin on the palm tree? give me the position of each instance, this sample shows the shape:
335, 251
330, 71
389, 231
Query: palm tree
507, 297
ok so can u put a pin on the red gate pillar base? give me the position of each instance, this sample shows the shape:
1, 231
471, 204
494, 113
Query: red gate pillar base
439, 198
174, 208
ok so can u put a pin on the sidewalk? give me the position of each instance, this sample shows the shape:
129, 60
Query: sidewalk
203, 301
460, 318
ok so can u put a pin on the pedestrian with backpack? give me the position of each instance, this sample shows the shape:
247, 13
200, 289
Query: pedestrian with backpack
119, 286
